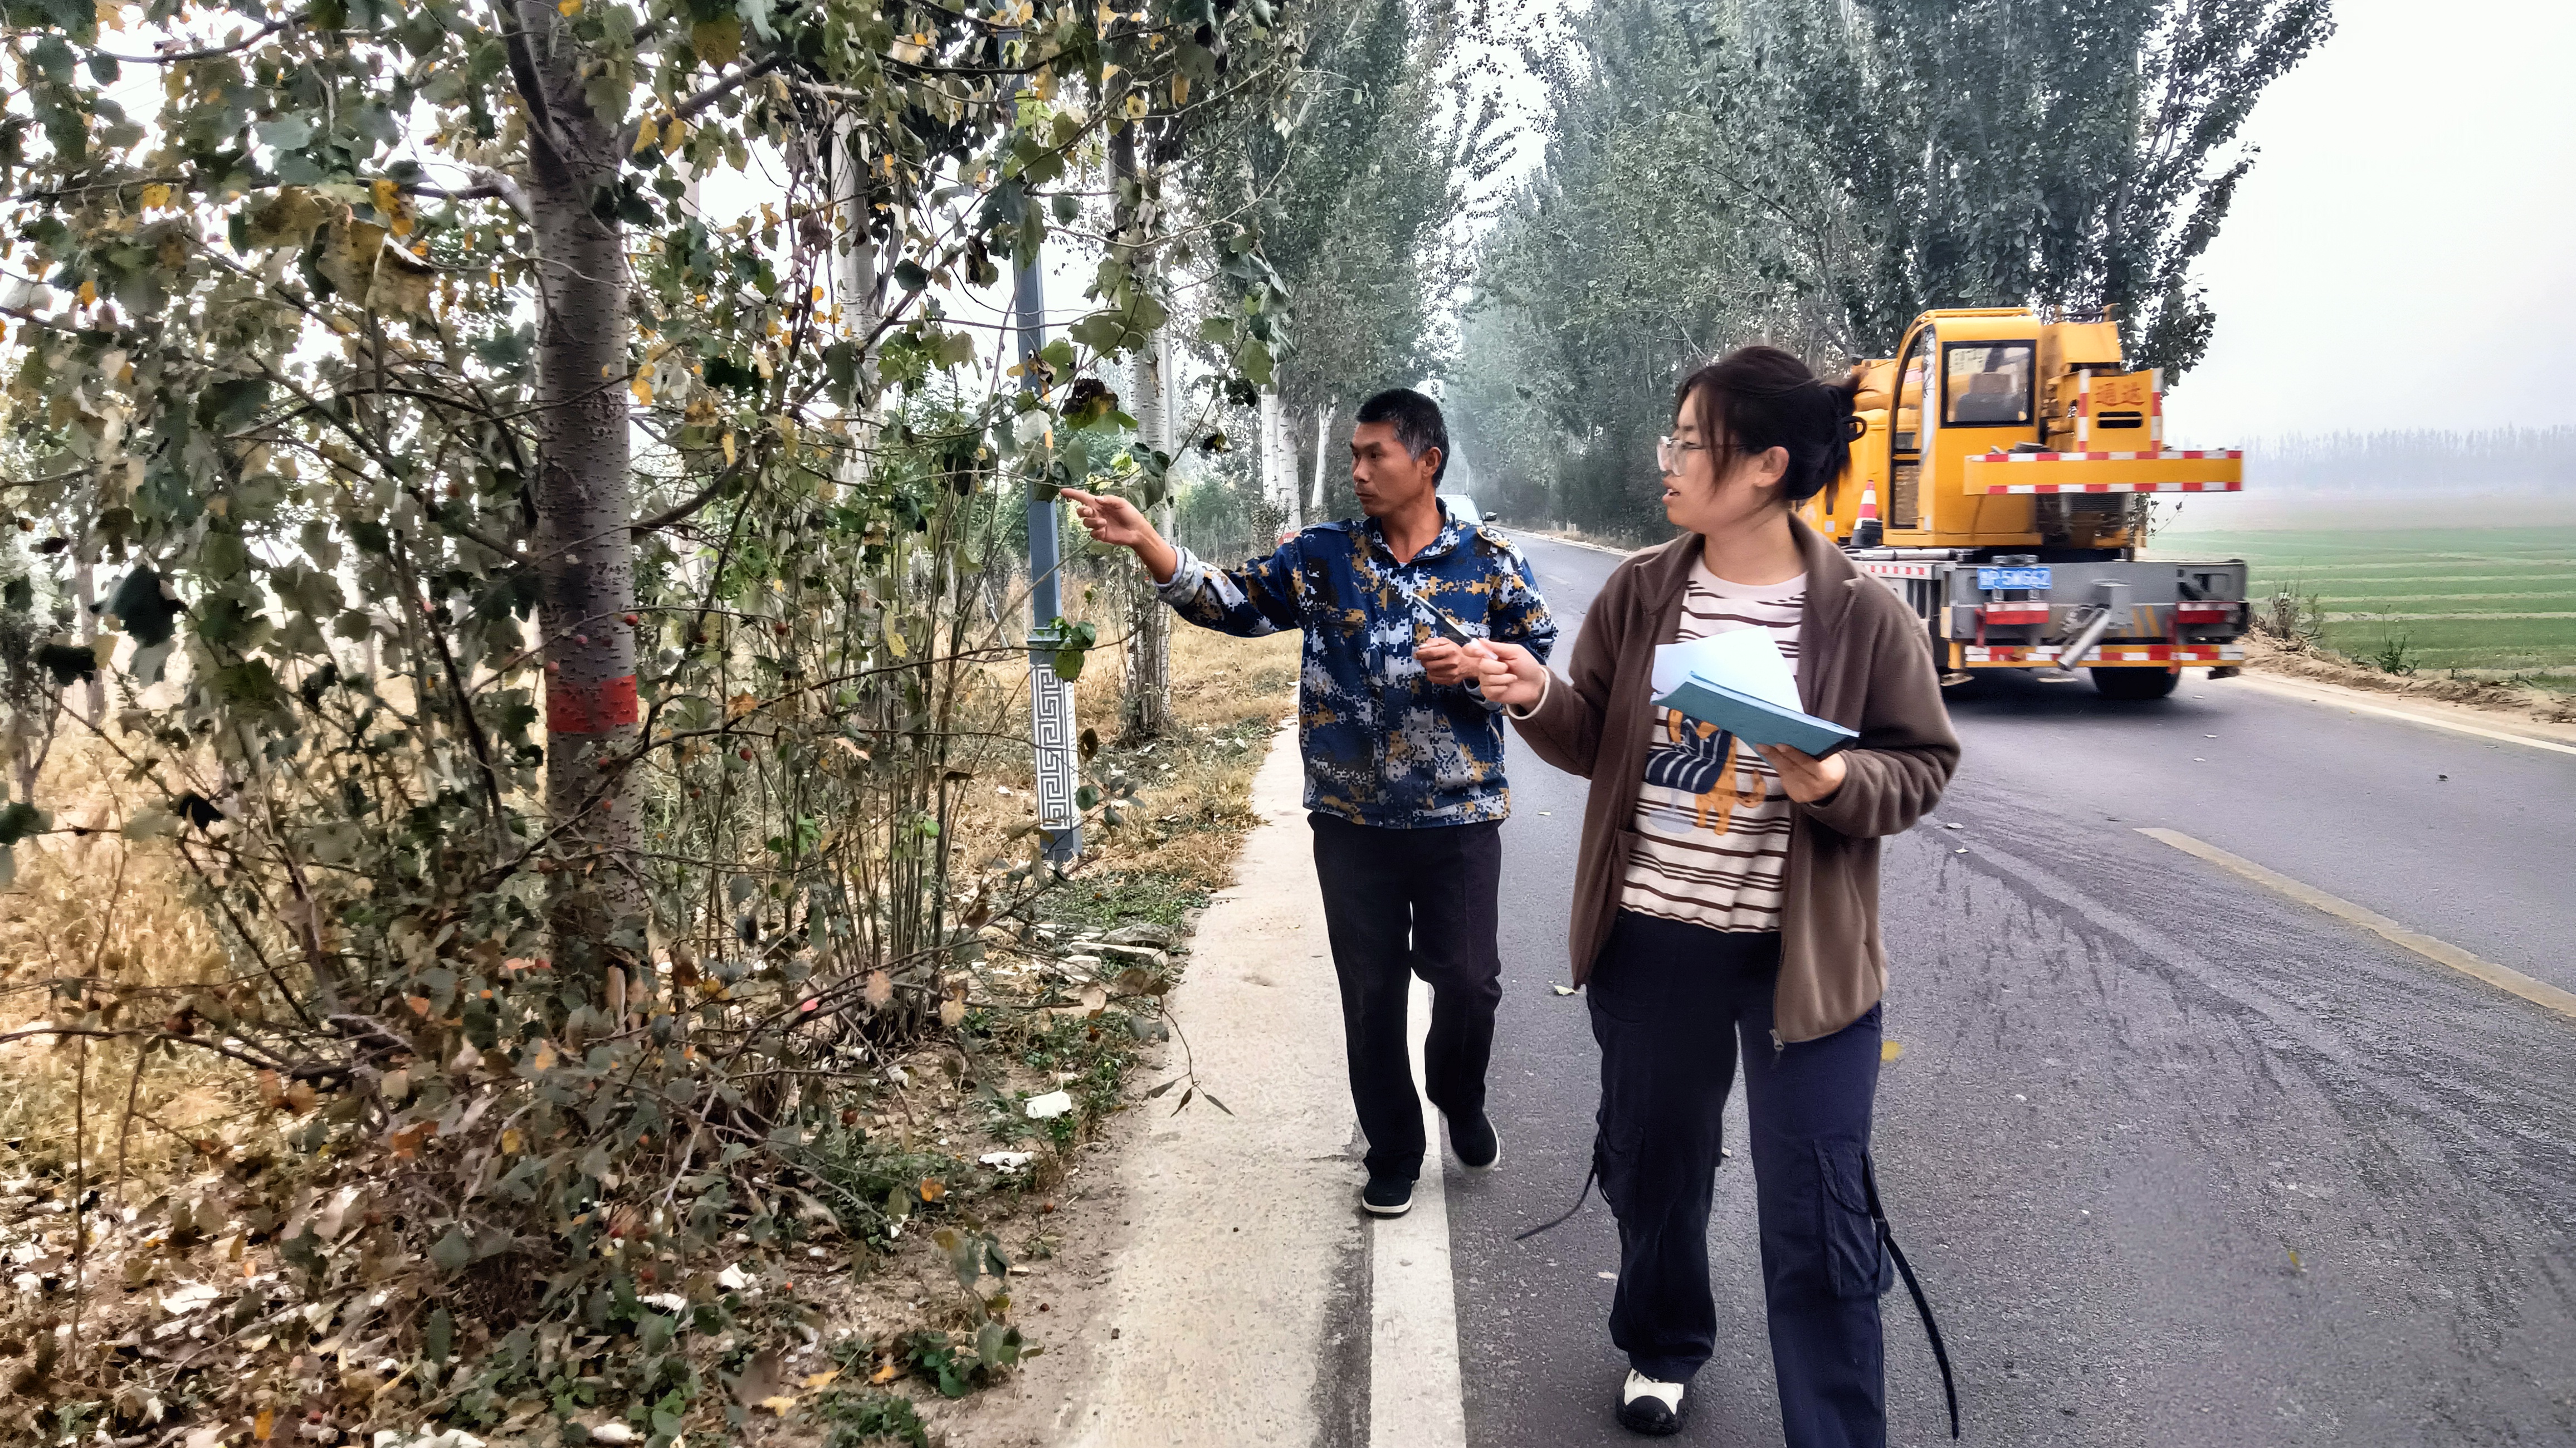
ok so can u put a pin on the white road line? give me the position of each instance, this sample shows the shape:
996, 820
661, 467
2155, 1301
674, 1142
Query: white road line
2503, 978
1416, 1398
2337, 697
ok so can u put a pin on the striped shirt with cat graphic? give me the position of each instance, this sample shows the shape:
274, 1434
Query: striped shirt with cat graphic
1712, 822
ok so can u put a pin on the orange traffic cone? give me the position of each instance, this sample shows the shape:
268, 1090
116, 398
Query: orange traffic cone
1866, 533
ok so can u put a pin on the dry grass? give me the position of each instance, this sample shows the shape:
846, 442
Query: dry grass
1194, 785
2502, 696
88, 906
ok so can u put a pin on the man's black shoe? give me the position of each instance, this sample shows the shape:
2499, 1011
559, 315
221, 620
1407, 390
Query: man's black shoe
1479, 1148
1387, 1196
1650, 1407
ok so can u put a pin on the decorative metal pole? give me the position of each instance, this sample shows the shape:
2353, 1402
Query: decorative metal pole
1050, 694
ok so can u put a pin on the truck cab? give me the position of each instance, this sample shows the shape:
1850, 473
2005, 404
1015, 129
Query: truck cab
2000, 486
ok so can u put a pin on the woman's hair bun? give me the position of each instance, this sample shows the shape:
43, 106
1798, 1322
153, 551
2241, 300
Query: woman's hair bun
1761, 397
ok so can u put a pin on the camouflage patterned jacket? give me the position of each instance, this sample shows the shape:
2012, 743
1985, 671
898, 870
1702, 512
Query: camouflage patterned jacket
1383, 744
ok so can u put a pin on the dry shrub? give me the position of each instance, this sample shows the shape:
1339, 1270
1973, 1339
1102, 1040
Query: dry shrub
280, 1231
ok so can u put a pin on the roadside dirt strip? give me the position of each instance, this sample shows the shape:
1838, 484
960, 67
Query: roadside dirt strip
2440, 713
1238, 1290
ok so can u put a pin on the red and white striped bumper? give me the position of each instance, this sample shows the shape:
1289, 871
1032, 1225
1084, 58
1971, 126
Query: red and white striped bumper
2023, 656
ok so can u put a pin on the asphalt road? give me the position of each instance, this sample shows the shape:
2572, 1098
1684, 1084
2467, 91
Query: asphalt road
2181, 1161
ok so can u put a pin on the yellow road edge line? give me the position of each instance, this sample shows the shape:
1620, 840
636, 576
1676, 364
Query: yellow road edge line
2441, 952
2307, 689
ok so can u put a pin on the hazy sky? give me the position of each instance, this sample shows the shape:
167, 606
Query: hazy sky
2404, 253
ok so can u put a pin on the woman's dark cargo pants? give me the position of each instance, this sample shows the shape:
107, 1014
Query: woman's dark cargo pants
1670, 1002
1400, 903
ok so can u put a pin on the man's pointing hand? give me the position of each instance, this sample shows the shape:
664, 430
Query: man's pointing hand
1119, 523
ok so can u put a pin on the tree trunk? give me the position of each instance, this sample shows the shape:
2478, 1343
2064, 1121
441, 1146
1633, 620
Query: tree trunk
854, 258
585, 560
85, 593
1148, 696
1149, 637
1323, 458
1278, 473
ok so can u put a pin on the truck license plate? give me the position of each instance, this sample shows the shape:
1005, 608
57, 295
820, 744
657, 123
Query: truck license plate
1993, 578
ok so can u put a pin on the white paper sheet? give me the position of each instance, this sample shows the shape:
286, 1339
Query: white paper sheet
1743, 659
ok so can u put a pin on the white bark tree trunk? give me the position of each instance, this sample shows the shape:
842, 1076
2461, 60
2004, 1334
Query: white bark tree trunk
585, 558
854, 256
1323, 459
1149, 641
1278, 472
1148, 695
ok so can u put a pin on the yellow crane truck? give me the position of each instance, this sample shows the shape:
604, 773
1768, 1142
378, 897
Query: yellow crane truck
2013, 454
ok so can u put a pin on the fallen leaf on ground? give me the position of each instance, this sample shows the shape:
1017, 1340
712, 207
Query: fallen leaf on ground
762, 1379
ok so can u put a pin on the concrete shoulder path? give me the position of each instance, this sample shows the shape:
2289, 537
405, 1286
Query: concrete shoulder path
1239, 1291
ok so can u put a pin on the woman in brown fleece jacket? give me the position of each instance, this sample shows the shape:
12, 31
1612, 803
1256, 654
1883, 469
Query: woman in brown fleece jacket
1726, 893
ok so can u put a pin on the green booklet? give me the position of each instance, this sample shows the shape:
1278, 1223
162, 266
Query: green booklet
1755, 721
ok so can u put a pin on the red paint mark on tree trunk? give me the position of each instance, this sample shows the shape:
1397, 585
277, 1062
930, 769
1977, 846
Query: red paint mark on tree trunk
590, 708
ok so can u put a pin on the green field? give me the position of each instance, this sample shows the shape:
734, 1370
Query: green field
2488, 602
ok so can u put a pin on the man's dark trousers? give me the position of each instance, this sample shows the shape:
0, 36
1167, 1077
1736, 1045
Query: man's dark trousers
1401, 902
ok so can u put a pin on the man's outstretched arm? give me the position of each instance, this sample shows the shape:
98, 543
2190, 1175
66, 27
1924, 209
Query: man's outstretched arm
1519, 614
1259, 598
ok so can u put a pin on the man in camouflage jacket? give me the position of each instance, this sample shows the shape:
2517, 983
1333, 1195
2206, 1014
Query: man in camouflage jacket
1404, 759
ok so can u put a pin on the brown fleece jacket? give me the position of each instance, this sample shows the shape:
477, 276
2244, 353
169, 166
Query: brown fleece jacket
1865, 662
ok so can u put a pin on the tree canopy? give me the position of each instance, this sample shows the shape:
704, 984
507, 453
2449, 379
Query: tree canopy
1815, 173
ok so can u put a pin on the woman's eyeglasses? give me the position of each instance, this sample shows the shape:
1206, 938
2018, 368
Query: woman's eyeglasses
1669, 450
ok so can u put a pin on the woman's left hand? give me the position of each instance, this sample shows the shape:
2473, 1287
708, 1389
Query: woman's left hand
1806, 778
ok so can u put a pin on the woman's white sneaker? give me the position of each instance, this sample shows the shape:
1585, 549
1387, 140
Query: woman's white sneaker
1650, 1407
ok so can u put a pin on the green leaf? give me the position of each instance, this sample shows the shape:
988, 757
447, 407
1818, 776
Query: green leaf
1253, 360
69, 663
138, 604
997, 1345
54, 58
20, 820
251, 684
718, 42
287, 133
438, 1339
841, 367
222, 557
452, 1251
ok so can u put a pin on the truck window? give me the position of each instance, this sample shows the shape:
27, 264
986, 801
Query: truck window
1986, 382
